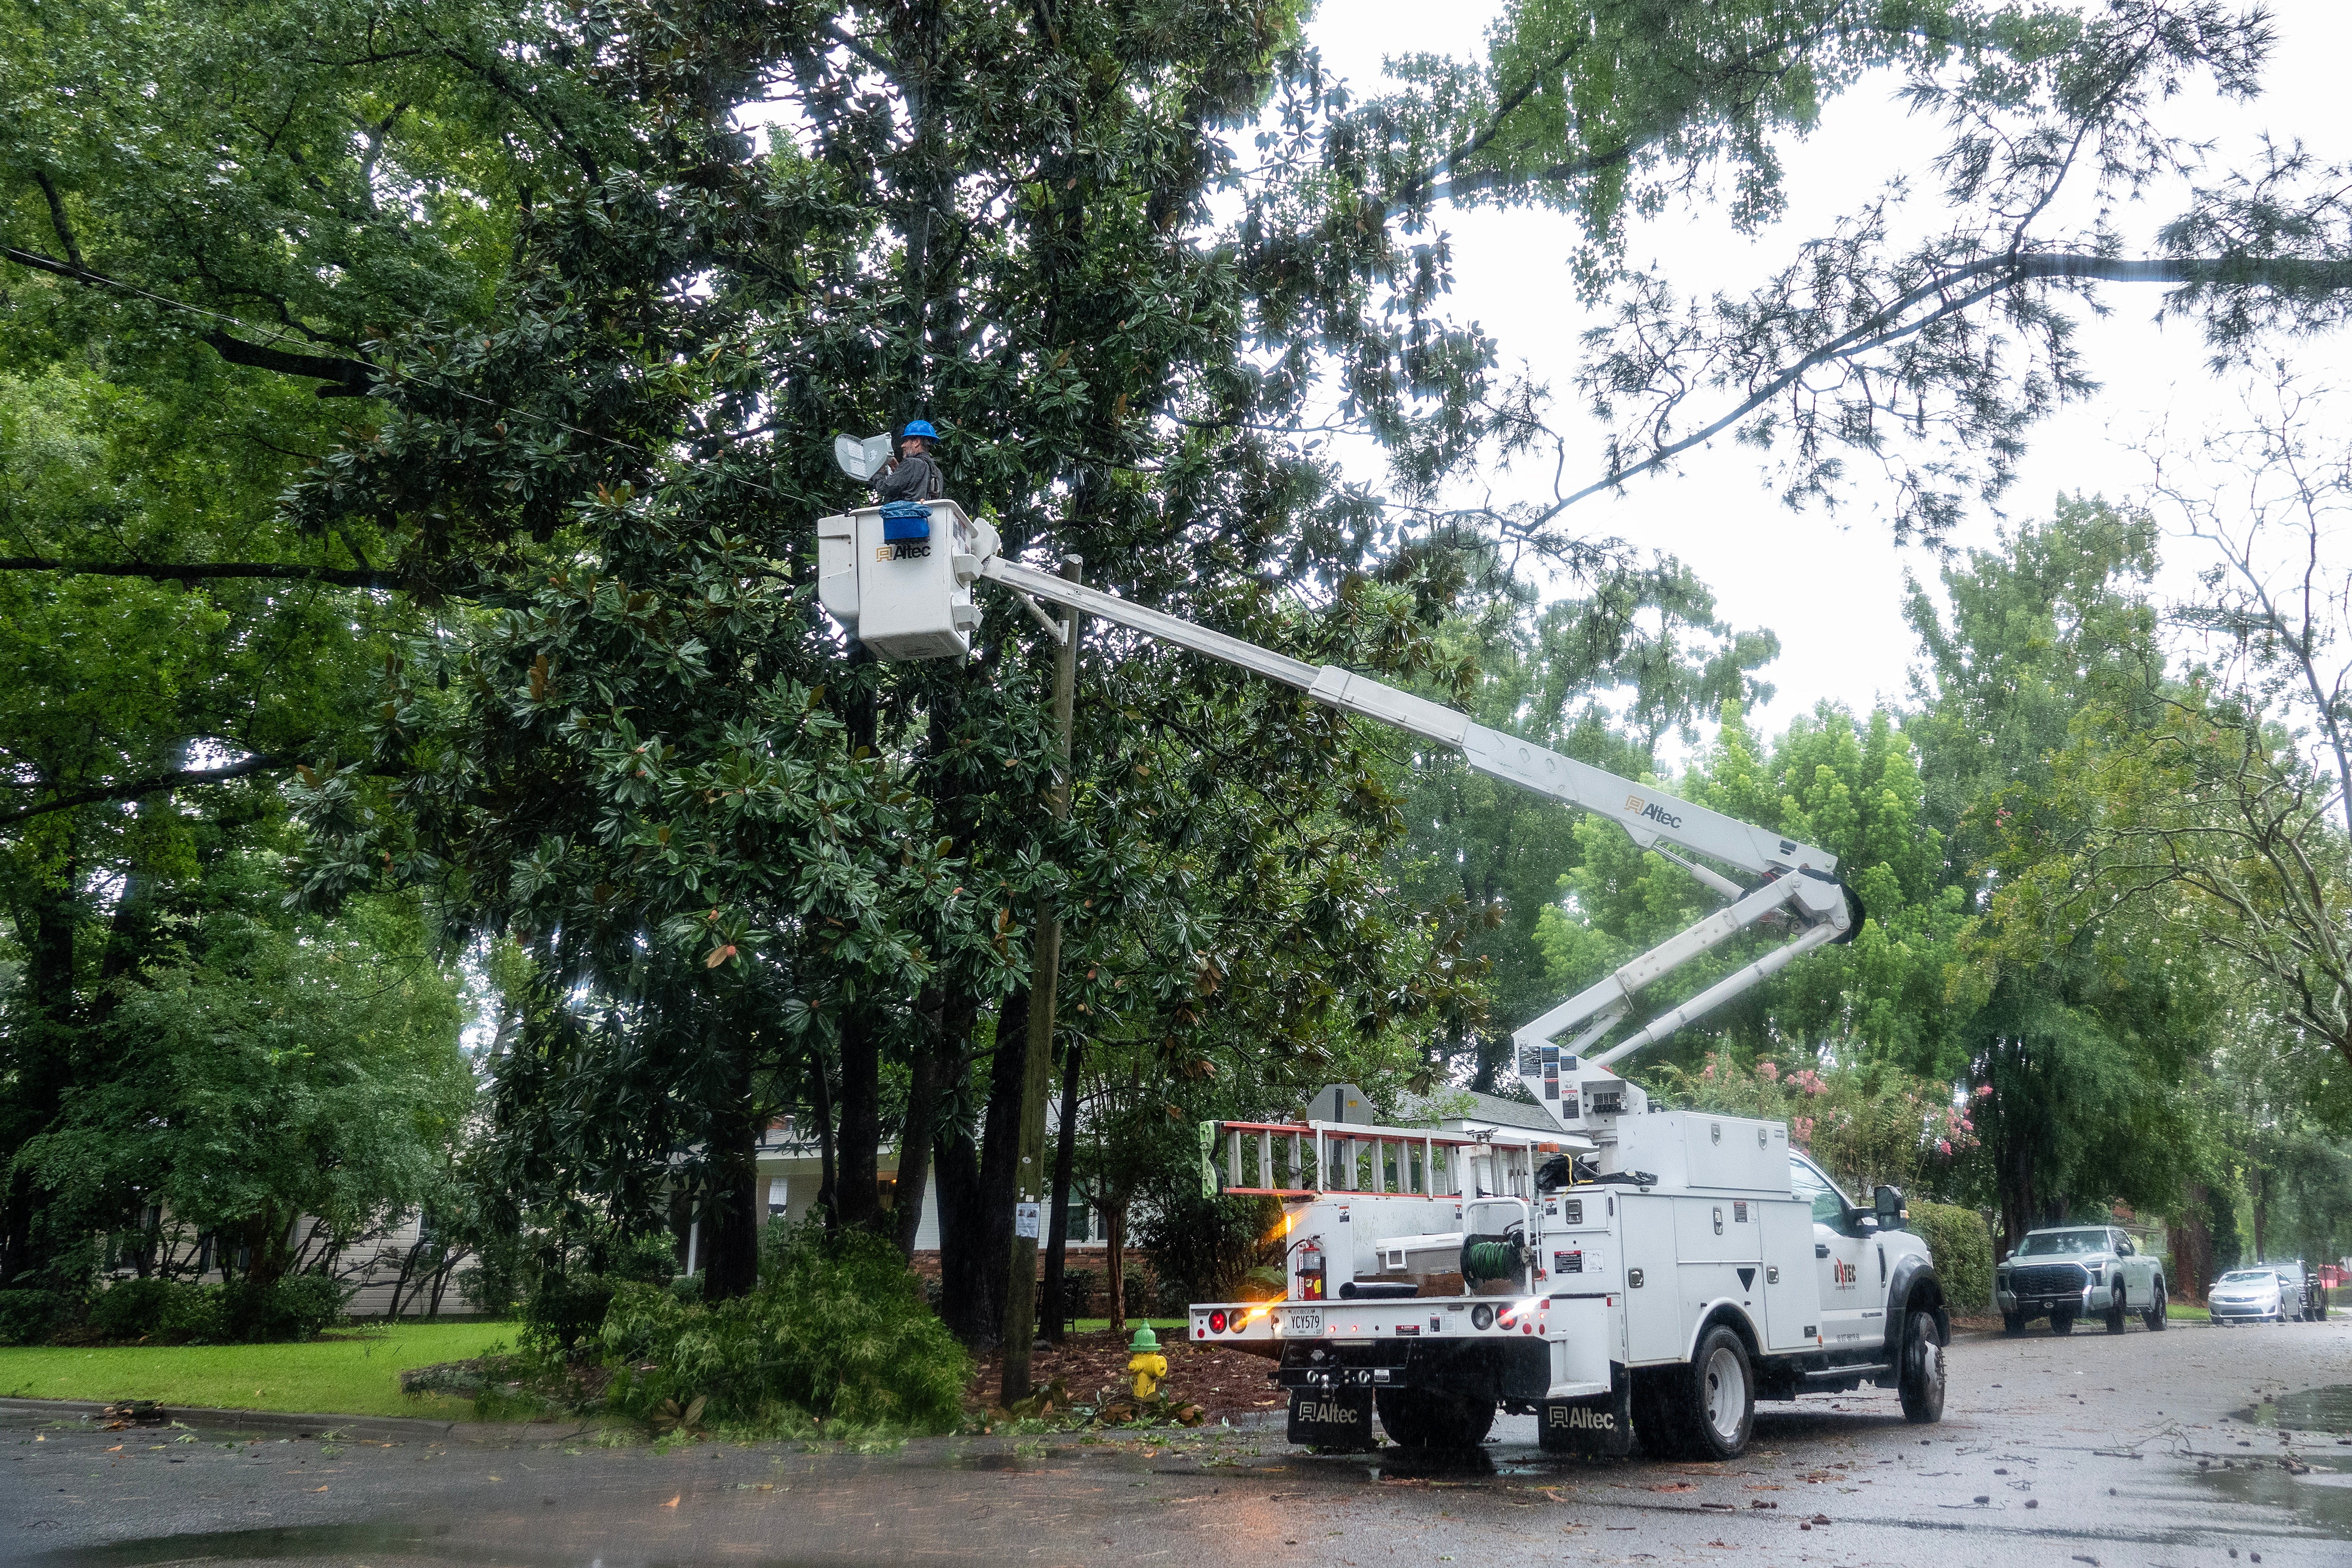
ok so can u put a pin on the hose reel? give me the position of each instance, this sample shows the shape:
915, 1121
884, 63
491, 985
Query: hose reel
1486, 1258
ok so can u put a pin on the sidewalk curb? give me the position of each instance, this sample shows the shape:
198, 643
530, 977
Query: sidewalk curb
287, 1424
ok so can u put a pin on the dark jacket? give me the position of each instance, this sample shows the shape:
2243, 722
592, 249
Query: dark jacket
914, 477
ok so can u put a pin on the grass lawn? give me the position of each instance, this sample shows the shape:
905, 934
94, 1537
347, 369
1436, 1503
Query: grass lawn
350, 1372
2178, 1313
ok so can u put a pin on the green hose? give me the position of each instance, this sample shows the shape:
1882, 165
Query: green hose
1489, 1260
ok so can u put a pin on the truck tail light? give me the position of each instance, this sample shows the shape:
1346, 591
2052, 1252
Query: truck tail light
1217, 1323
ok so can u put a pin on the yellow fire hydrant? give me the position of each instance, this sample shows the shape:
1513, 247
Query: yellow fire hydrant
1146, 1362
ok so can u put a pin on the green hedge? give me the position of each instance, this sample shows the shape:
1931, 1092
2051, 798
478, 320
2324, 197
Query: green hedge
837, 1331
1962, 1244
27, 1317
168, 1311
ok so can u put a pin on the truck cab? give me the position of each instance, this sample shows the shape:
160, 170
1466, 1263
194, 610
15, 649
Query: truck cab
1653, 1275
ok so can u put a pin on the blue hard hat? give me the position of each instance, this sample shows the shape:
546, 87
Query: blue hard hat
921, 428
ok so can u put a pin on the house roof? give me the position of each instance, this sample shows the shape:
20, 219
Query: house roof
1488, 1111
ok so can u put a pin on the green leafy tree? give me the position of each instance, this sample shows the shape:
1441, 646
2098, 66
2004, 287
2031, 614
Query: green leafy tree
283, 1087
1857, 792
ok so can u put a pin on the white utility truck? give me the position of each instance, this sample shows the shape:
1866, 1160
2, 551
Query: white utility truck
1637, 1272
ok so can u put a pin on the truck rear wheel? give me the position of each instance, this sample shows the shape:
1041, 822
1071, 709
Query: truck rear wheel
1425, 1418
1400, 1411
1704, 1408
1920, 1380
2156, 1317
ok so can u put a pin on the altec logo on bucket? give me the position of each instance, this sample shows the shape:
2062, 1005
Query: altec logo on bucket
1636, 804
1583, 1418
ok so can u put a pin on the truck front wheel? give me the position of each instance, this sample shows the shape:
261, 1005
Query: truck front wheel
1921, 1379
1704, 1408
2061, 1323
2117, 1319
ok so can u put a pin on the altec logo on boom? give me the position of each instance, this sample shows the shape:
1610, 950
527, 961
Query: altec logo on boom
1636, 804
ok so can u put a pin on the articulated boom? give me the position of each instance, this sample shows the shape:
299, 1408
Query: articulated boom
923, 608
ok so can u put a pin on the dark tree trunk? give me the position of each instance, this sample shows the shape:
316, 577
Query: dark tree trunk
1000, 1162
858, 1198
732, 1213
2193, 1247
965, 1305
40, 1060
1055, 1320
857, 1182
1115, 1230
927, 1075
828, 1196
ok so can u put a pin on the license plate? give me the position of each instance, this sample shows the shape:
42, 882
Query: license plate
1309, 1322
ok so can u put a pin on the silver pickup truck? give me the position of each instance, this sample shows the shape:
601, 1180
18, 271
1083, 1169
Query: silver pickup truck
2078, 1271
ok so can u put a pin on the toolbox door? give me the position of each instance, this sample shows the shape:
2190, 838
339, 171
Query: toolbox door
1654, 1305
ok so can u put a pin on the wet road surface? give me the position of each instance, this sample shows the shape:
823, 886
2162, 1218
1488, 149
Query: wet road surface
2196, 1447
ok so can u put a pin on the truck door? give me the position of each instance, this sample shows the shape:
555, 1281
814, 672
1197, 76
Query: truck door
2138, 1271
1792, 1297
1840, 1256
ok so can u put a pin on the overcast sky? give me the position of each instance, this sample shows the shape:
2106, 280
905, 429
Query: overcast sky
1831, 586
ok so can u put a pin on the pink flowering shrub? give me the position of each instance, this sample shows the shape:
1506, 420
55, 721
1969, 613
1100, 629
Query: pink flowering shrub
1862, 1127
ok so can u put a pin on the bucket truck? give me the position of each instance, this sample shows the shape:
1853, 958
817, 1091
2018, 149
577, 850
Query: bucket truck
1630, 1271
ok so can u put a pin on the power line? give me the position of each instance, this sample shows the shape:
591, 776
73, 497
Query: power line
85, 276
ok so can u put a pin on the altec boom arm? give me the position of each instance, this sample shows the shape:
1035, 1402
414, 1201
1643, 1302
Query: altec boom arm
902, 580
1798, 882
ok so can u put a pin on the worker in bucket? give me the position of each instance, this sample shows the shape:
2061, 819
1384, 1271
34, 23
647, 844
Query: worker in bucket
913, 474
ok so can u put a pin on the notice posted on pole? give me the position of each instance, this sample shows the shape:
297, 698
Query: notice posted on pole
1024, 1221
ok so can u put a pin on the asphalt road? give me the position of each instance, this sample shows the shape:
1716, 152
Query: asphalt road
2193, 1446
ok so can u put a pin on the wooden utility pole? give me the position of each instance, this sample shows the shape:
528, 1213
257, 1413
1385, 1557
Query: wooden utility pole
1037, 1078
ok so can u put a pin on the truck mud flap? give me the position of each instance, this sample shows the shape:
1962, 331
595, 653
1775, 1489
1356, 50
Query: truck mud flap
1332, 1418
1597, 1426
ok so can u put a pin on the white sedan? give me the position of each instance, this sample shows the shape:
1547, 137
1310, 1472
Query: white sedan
2245, 1295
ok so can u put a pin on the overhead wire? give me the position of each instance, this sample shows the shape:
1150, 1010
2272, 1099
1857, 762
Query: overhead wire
274, 334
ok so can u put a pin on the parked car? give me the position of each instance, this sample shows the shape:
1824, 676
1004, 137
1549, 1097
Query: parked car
2301, 1297
2073, 1271
2247, 1296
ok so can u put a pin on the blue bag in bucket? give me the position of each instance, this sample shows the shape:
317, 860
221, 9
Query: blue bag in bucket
906, 521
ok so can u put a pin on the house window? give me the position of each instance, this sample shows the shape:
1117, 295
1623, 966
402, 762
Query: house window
1077, 1229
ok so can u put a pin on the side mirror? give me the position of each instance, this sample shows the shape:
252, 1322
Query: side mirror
1892, 1215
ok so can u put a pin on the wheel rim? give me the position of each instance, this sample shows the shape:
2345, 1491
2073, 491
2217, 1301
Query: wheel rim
1929, 1359
1727, 1393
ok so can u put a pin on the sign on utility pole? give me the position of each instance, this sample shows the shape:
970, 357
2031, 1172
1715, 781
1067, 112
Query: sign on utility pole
1037, 1065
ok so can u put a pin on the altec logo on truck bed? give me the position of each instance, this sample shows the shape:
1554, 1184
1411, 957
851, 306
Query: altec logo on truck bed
1577, 1418
1328, 1411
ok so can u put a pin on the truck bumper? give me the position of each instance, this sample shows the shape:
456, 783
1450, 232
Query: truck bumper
1532, 1348
2010, 1305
